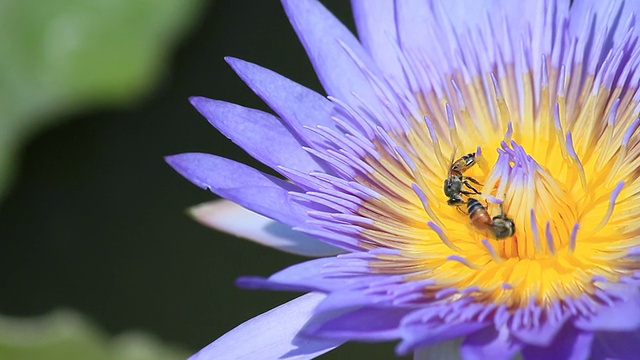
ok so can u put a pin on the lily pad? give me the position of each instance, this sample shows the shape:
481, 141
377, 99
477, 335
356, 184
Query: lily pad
65, 55
67, 335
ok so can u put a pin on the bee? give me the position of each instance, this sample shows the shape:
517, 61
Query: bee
479, 215
453, 184
500, 226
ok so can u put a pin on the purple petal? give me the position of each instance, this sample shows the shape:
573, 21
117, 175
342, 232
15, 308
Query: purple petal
521, 26
540, 334
438, 30
464, 13
272, 335
376, 24
232, 218
297, 105
250, 188
366, 324
469, 14
417, 335
570, 344
321, 34
421, 35
413, 33
310, 275
591, 17
376, 291
261, 135
621, 316
358, 298
490, 343
616, 345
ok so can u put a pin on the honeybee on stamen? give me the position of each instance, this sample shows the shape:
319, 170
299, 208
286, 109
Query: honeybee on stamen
456, 184
500, 226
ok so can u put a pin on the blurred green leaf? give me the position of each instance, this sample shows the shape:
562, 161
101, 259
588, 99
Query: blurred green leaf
65, 335
60, 56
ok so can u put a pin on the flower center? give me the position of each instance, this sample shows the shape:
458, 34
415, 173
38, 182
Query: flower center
567, 199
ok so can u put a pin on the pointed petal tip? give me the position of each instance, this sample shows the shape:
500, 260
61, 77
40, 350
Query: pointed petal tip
205, 106
169, 158
175, 160
197, 100
242, 67
234, 61
182, 164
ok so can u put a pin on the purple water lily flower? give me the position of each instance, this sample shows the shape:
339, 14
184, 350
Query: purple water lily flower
472, 176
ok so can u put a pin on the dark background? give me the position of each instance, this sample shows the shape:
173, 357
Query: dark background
96, 220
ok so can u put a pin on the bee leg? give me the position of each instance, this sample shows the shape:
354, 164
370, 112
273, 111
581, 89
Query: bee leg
473, 180
475, 191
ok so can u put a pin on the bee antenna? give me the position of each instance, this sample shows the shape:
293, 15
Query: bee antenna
453, 153
501, 203
453, 156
